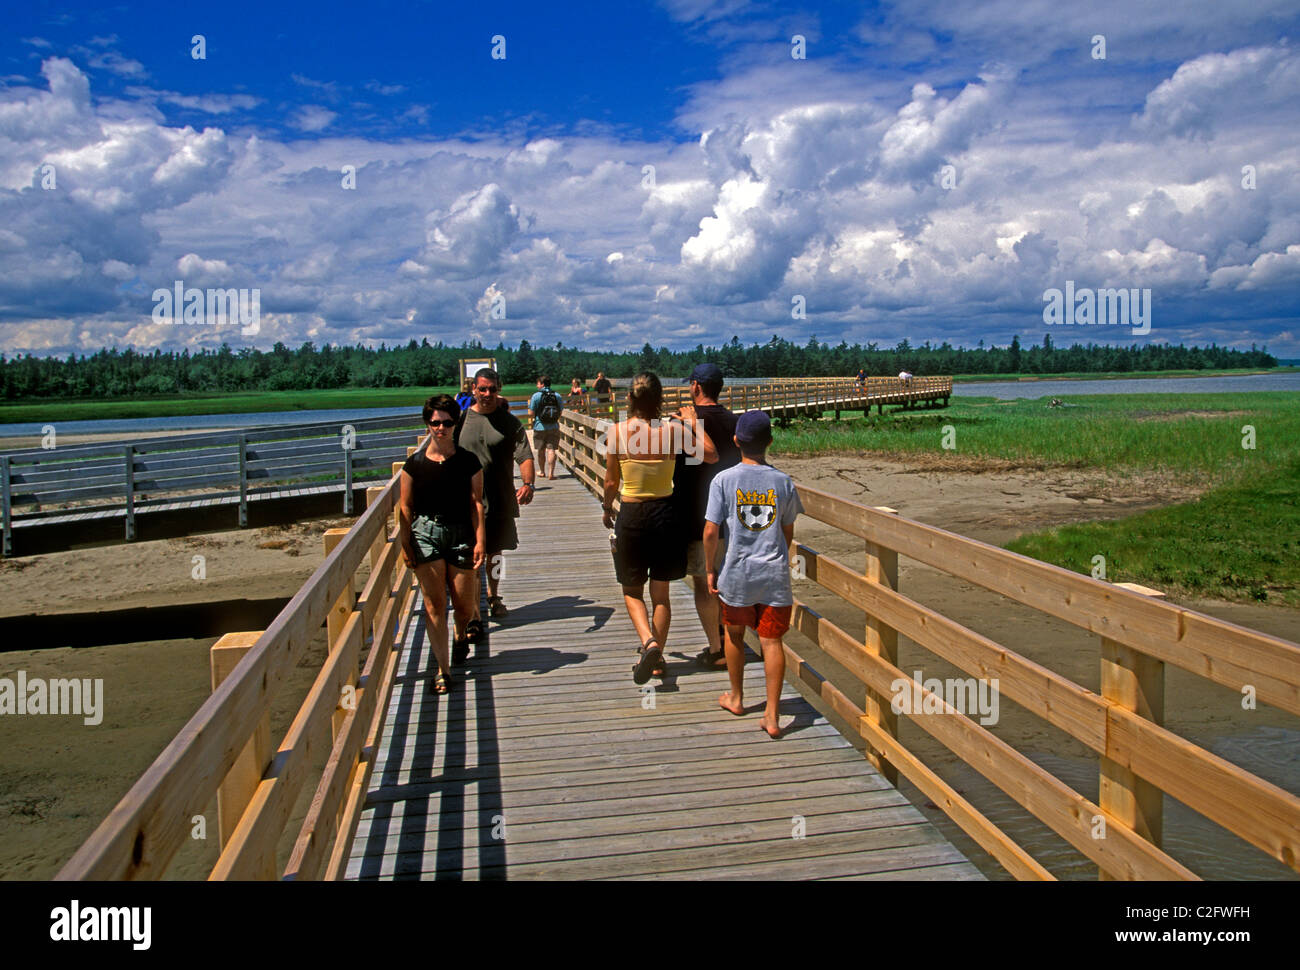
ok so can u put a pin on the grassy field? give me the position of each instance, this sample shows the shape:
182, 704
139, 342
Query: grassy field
1188, 435
1239, 541
240, 403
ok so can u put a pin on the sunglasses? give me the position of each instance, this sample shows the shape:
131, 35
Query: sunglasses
442, 424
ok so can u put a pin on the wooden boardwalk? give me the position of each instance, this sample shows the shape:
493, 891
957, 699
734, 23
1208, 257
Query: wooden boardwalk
547, 762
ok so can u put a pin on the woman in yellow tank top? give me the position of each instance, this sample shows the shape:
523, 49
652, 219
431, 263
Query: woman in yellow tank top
641, 456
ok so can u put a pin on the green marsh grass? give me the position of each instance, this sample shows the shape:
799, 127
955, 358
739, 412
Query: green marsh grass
1185, 435
1239, 541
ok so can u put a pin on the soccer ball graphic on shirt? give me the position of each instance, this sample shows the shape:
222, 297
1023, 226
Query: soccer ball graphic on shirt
756, 510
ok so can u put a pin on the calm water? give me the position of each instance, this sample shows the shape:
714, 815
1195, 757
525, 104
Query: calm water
1008, 390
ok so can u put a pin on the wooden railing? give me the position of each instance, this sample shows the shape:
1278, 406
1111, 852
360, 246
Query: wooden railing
787, 396
225, 749
1138, 758
134, 475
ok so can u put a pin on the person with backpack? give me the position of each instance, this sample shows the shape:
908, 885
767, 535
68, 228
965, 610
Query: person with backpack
544, 409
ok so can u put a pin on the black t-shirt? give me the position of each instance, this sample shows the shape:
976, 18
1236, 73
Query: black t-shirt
442, 488
691, 482
602, 386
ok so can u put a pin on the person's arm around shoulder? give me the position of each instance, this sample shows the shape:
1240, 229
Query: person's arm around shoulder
613, 476
704, 444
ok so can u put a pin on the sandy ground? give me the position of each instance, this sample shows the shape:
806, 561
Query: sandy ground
59, 777
20, 442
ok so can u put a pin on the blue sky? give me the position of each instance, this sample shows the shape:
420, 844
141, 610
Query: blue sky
664, 172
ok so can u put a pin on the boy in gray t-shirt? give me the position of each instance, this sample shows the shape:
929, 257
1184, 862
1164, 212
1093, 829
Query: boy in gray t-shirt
753, 506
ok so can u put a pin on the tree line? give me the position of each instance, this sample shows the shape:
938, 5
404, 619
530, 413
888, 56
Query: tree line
111, 373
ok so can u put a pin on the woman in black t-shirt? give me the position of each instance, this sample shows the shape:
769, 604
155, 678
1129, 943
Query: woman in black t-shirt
441, 528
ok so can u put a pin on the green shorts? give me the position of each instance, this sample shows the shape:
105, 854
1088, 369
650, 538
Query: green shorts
452, 542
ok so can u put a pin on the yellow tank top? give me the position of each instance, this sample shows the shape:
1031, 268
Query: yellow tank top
645, 478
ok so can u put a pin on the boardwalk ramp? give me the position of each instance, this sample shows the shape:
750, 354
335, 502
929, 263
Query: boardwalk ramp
547, 762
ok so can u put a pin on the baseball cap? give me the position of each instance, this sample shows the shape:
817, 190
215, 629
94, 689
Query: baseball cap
754, 427
705, 372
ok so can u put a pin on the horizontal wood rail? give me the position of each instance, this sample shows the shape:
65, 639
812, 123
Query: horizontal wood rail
136, 475
789, 397
1139, 758
340, 720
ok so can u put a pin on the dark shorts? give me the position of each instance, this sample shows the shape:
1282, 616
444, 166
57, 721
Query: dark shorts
546, 438
647, 541
501, 532
451, 542
766, 621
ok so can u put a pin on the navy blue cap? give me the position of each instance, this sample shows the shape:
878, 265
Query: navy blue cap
705, 372
754, 427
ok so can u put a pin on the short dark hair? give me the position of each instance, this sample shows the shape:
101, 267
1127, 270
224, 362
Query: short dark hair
441, 402
545, 381
711, 388
489, 373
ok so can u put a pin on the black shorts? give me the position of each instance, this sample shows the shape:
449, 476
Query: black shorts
647, 540
501, 532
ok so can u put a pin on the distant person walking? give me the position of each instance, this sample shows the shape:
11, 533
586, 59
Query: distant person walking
641, 455
442, 533
861, 377
465, 399
691, 481
602, 393
544, 409
497, 439
577, 398
753, 506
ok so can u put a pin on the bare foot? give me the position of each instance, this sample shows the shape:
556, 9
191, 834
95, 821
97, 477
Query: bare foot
772, 726
735, 706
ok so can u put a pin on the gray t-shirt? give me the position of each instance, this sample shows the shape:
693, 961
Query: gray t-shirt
498, 441
751, 503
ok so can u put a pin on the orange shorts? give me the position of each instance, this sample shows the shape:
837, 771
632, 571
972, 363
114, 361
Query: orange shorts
766, 621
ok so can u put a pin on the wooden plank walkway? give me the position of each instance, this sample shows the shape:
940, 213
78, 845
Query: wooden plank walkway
547, 762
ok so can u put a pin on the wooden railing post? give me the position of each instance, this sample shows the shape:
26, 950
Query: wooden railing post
882, 640
6, 506
129, 455
245, 774
347, 478
337, 618
1135, 682
243, 481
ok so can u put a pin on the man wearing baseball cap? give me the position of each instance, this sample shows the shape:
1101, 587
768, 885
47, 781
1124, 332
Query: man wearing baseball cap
753, 507
691, 481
